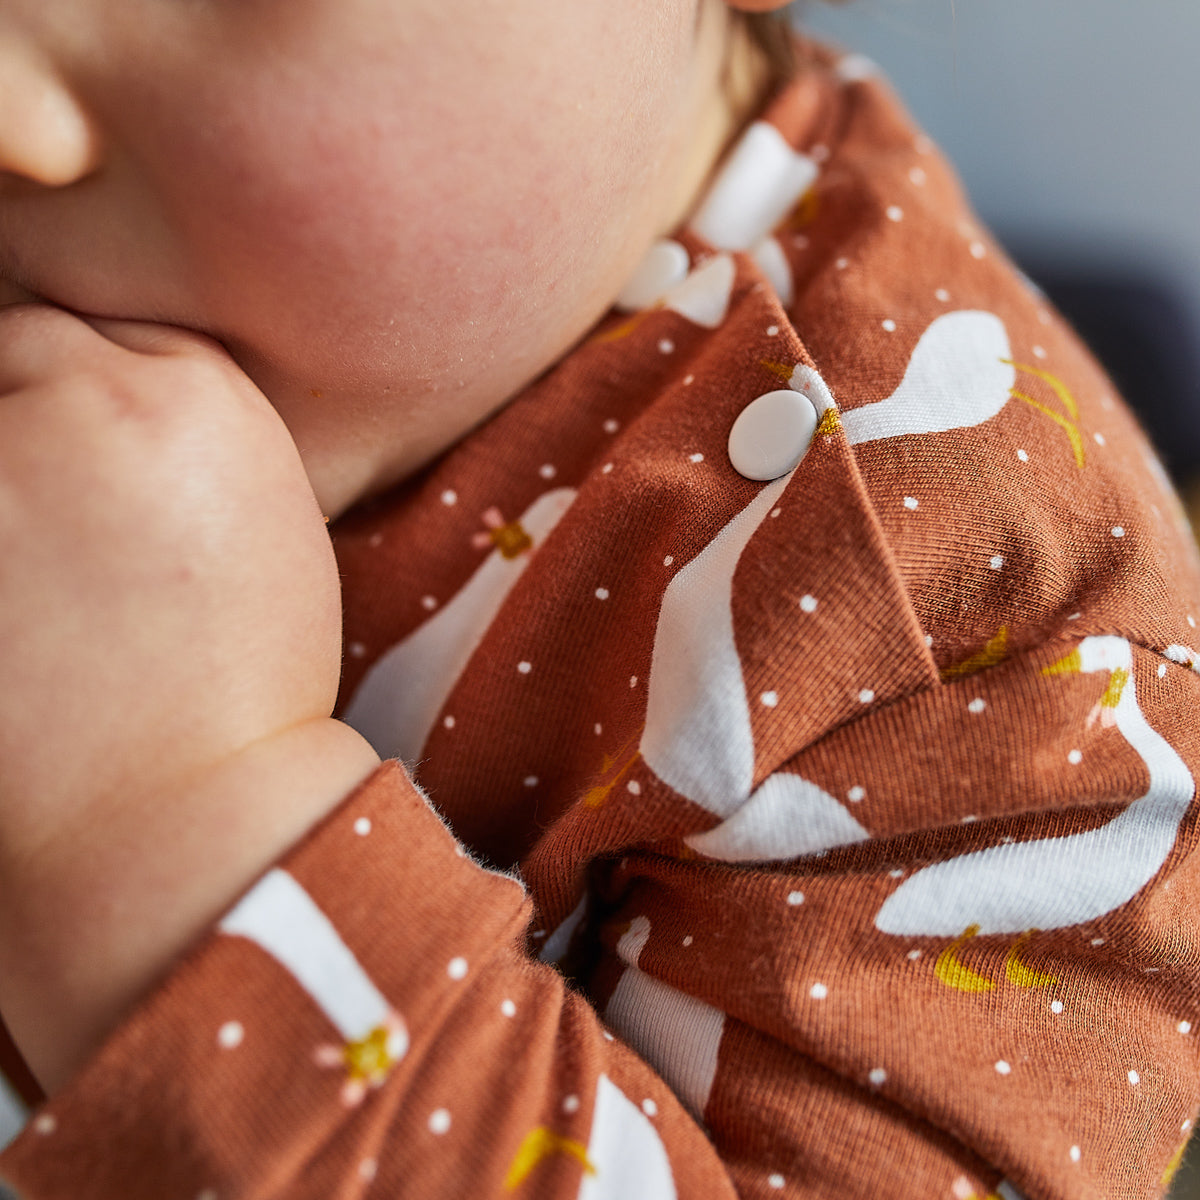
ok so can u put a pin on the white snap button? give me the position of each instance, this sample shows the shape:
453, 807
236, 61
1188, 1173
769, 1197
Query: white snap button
772, 434
666, 264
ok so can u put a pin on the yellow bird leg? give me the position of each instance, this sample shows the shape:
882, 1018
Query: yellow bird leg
1169, 1174
1116, 685
992, 653
781, 369
1071, 431
1060, 389
1018, 973
625, 328
953, 974
1071, 664
539, 1144
830, 422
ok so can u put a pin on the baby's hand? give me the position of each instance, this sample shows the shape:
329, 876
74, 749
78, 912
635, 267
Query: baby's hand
170, 628
168, 592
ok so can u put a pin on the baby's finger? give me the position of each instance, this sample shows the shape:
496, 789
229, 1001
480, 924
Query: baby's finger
37, 340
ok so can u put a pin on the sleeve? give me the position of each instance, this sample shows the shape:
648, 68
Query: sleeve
354, 1028
970, 969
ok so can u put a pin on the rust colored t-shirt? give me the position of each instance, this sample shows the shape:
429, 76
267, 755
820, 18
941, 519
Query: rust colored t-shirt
828, 834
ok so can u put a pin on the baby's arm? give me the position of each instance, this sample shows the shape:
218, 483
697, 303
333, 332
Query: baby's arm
169, 656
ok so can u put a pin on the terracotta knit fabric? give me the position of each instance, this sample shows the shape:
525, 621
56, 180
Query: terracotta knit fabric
855, 806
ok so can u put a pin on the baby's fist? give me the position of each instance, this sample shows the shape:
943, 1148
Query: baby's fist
168, 594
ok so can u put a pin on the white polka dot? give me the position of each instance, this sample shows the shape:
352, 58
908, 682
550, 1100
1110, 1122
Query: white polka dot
911, 502
230, 1035
696, 458
633, 788
602, 593
1097, 941
842, 264
508, 1008
687, 941
1074, 616
1044, 316
45, 1123
978, 250
208, 1194
368, 1169
895, 212
688, 380
598, 728
570, 1104
996, 561
633, 681
1002, 1068
923, 144
1075, 1153
855, 794
666, 346
1075, 757
448, 721
795, 898
914, 955
942, 295
611, 426
878, 1077
429, 603
1023, 455
1118, 531
649, 1107
608, 1037
356, 650
775, 1181
818, 152
1056, 1006
775, 512
1099, 437
889, 325
449, 497
439, 1121
770, 699
818, 991
524, 667
1134, 1078
1039, 351
929, 639
772, 330
547, 471
866, 695
668, 560
1191, 621
604, 470
896, 873
456, 968
1184, 1027
362, 826
808, 604
977, 705
531, 781
917, 176
375, 540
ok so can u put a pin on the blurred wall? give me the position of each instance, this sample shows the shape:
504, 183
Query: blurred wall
1075, 125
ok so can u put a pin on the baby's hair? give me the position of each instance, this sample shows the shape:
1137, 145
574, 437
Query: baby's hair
773, 33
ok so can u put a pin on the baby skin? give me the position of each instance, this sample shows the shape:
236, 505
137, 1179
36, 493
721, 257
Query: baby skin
260, 261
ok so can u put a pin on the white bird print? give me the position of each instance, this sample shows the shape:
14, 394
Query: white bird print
398, 701
698, 735
677, 1034
958, 376
1054, 882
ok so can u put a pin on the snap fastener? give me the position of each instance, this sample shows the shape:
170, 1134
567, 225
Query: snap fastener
666, 264
772, 434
